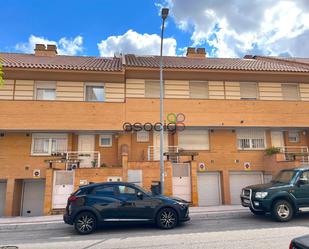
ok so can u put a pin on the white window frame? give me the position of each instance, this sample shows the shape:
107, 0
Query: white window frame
196, 147
45, 85
142, 136
250, 139
50, 137
109, 136
94, 84
297, 140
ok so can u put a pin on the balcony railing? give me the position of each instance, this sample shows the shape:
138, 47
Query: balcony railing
154, 153
83, 159
294, 153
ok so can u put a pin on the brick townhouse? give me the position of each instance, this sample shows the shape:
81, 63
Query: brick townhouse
62, 124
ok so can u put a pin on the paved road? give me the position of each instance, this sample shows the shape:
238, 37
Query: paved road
247, 232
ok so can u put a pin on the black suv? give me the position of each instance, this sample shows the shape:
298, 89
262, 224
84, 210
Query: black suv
283, 197
99, 203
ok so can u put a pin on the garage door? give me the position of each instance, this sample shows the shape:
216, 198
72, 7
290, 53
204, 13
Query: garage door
2, 197
239, 180
33, 197
209, 189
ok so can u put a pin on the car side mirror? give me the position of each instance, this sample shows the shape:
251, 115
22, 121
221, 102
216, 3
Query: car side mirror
140, 195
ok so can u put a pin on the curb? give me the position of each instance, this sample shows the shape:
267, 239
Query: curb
33, 226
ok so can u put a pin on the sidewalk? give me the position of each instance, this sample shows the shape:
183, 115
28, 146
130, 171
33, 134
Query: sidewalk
54, 221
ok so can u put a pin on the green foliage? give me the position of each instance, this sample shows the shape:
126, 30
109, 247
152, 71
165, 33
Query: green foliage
272, 150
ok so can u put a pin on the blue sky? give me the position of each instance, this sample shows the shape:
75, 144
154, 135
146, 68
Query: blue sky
226, 28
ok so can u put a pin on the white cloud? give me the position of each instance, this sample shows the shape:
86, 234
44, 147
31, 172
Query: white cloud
236, 27
66, 46
134, 43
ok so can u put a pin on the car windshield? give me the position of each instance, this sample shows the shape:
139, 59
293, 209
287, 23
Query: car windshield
284, 176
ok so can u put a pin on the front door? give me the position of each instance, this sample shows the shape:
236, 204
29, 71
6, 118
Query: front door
301, 192
86, 147
277, 139
181, 181
132, 207
62, 188
156, 145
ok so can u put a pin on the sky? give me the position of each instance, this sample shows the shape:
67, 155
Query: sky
226, 28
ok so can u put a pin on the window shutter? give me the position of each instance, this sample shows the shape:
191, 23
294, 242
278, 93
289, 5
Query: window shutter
198, 89
193, 139
152, 89
248, 90
290, 91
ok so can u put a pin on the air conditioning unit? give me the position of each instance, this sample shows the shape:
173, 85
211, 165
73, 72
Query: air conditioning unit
73, 166
36, 173
114, 179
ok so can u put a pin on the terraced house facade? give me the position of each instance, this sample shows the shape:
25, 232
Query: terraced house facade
62, 124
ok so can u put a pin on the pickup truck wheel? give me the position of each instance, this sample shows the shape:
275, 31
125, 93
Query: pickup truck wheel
85, 223
256, 212
282, 211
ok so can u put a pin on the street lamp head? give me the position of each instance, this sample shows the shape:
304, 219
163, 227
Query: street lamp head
164, 13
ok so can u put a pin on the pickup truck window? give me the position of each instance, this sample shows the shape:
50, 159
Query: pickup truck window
284, 176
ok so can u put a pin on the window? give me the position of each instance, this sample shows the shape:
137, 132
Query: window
152, 89
198, 89
248, 90
294, 136
142, 136
127, 193
45, 90
46, 144
305, 176
193, 139
94, 92
104, 190
290, 91
251, 139
106, 140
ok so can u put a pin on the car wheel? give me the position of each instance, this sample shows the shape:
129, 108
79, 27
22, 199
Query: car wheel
85, 223
282, 211
167, 218
256, 212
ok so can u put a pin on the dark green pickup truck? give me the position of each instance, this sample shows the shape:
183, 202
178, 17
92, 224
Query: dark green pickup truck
283, 197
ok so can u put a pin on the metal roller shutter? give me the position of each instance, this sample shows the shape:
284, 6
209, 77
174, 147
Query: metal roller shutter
2, 197
239, 180
209, 189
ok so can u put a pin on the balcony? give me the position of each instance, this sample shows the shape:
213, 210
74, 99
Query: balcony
293, 154
76, 159
153, 153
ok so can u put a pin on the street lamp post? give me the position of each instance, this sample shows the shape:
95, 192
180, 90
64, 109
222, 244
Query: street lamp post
164, 14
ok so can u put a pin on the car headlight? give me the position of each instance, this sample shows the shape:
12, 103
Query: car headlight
261, 195
182, 204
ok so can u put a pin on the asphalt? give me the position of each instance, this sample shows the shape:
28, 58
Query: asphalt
53, 221
245, 231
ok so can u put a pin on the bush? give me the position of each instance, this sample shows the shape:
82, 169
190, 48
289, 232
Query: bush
272, 150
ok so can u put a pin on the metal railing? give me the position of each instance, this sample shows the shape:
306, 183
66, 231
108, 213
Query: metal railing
84, 159
153, 153
295, 153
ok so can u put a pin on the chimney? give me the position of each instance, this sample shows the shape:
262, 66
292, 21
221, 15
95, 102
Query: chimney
42, 50
196, 53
